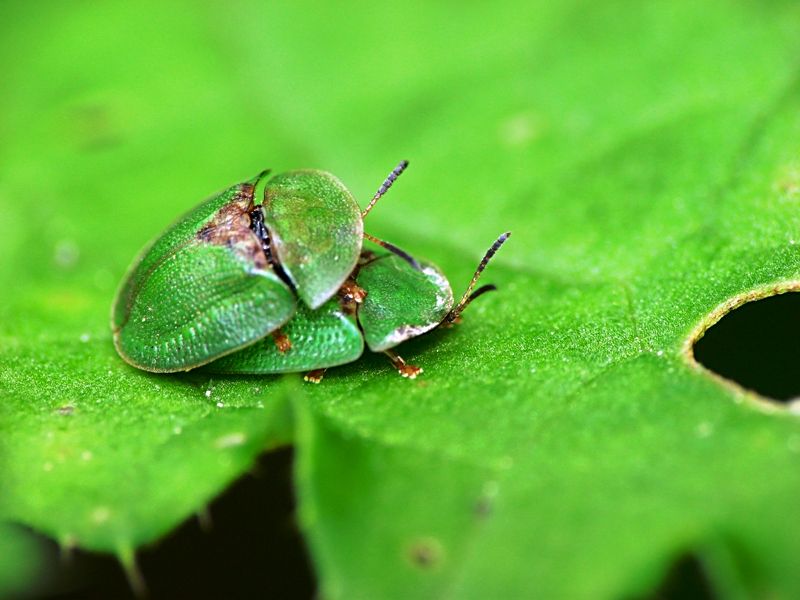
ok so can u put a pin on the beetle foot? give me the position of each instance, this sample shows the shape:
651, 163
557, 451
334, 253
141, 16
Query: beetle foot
406, 370
409, 371
282, 341
314, 376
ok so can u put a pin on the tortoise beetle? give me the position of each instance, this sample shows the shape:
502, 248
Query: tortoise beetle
221, 286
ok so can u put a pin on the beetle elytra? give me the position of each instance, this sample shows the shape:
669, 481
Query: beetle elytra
270, 276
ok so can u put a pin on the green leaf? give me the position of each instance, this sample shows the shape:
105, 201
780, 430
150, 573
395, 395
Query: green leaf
19, 561
94, 452
560, 440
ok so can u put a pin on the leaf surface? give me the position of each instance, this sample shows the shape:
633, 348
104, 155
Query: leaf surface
645, 155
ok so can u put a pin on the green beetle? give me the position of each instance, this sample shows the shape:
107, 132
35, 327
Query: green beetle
221, 285
386, 301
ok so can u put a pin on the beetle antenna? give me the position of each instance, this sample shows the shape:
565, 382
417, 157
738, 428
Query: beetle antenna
489, 287
387, 183
469, 295
394, 250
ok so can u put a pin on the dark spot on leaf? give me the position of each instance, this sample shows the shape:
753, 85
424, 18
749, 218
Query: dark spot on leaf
65, 410
95, 127
425, 553
757, 346
483, 507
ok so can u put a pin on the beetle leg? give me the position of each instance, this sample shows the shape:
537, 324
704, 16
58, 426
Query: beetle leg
314, 376
406, 370
447, 324
282, 341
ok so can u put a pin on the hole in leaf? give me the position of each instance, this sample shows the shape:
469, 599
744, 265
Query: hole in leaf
686, 579
758, 346
251, 549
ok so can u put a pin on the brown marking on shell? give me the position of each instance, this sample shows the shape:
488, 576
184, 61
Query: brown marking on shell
230, 227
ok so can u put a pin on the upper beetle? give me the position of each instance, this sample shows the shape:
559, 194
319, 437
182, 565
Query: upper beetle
229, 273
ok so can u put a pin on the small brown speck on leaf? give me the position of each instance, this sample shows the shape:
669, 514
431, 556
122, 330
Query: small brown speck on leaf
483, 507
426, 553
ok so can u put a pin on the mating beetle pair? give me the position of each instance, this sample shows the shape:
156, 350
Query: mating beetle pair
279, 286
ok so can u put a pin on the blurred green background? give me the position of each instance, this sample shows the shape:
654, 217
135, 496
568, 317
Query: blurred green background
561, 442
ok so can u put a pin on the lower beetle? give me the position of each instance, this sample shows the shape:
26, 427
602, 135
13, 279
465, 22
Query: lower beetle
220, 287
386, 301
